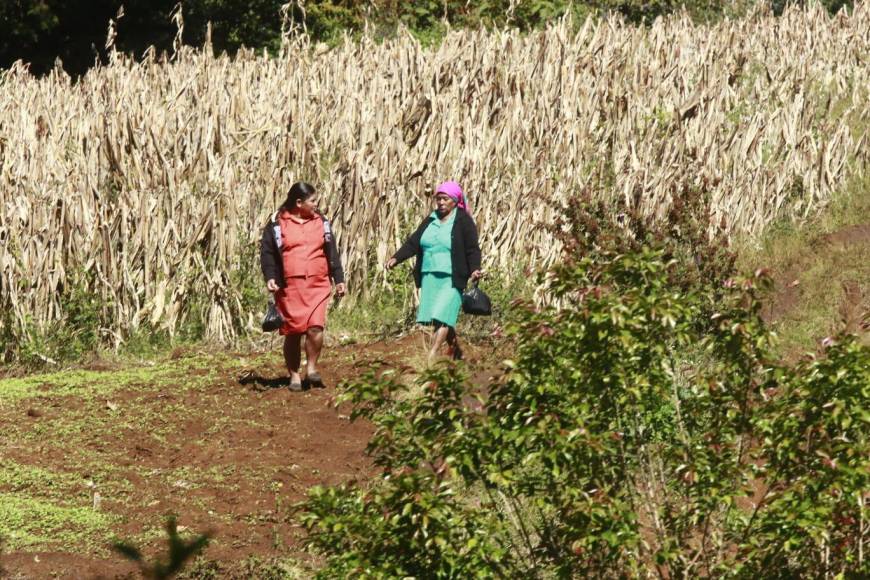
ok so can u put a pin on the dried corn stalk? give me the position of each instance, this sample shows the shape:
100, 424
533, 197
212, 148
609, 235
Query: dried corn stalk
156, 177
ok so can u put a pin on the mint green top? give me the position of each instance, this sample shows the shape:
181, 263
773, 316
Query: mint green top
436, 243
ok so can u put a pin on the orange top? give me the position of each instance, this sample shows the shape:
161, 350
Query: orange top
302, 250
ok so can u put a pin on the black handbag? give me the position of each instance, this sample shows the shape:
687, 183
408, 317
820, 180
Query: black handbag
476, 302
273, 319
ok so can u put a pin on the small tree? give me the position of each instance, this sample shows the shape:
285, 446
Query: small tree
642, 429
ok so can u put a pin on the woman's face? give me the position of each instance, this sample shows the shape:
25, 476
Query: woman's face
308, 206
444, 204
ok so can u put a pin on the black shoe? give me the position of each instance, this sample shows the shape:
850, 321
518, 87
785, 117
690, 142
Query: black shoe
314, 381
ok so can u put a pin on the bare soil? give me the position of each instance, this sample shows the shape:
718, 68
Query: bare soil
231, 457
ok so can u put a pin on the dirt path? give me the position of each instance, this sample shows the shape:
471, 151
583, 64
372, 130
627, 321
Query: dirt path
91, 456
822, 288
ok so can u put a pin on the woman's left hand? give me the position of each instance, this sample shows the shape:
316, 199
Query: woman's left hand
477, 275
341, 289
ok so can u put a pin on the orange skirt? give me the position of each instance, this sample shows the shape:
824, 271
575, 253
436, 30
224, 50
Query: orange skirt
303, 303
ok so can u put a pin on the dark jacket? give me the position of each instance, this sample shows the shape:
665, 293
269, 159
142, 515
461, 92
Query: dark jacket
464, 249
270, 254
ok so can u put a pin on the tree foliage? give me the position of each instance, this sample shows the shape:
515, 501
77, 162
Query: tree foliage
641, 429
41, 31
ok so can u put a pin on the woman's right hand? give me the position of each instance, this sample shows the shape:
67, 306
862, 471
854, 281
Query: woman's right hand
391, 263
271, 286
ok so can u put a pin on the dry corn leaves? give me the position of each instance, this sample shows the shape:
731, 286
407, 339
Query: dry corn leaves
156, 176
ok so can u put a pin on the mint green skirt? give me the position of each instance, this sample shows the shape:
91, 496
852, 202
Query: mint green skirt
439, 300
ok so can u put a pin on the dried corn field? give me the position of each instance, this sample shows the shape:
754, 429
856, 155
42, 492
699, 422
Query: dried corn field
154, 178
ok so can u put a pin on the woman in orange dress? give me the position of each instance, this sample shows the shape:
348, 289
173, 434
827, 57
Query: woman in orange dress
300, 262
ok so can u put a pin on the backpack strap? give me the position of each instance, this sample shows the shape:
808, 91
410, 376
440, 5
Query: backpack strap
276, 230
327, 230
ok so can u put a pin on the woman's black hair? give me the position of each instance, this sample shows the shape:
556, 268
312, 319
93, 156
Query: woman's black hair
299, 191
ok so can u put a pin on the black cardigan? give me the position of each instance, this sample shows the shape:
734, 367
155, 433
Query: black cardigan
464, 249
270, 254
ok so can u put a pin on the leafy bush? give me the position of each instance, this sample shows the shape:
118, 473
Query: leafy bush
413, 525
815, 465
642, 429
40, 32
685, 234
78, 333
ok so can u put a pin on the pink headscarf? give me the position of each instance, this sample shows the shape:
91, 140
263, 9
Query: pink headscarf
454, 191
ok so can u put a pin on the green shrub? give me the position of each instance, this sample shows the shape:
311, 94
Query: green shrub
78, 332
590, 227
815, 464
412, 525
631, 435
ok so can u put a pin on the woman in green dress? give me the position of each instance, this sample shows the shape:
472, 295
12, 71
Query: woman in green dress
448, 254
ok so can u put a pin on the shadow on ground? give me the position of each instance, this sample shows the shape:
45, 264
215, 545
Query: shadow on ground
259, 383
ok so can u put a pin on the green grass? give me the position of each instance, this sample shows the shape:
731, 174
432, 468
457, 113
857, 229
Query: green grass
72, 383
381, 313
213, 478
251, 567
96, 417
88, 385
42, 509
77, 411
63, 485
18, 478
799, 253
28, 523
190, 372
